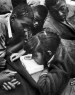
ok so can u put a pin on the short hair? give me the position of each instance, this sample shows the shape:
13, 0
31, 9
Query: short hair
48, 40
42, 10
22, 10
17, 2
50, 3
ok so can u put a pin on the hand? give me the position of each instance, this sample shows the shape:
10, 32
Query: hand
44, 72
11, 84
28, 57
36, 76
6, 75
8, 80
42, 78
15, 56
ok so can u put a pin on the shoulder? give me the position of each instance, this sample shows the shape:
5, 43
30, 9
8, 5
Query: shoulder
71, 12
2, 28
5, 6
66, 51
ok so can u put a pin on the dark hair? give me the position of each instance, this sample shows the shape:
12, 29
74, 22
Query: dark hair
43, 42
5, 6
54, 11
22, 10
42, 11
19, 12
17, 2
50, 3
49, 40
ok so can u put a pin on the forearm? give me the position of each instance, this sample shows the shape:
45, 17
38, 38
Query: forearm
51, 82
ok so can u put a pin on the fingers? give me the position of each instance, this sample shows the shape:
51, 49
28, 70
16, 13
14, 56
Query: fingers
6, 86
10, 81
11, 84
13, 57
9, 72
28, 57
15, 82
7, 75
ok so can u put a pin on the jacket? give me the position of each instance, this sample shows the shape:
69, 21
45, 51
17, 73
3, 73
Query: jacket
61, 69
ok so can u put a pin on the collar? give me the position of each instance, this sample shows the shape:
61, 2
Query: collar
48, 64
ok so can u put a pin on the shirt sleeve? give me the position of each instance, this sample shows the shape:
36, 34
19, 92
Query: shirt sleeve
58, 75
2, 46
2, 36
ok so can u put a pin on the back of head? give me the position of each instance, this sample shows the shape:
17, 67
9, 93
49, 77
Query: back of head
17, 2
50, 3
49, 40
42, 11
22, 10
44, 42
22, 14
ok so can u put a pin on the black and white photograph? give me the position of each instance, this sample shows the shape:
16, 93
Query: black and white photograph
37, 47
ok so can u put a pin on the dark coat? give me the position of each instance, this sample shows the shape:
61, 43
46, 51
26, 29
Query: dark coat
28, 85
65, 31
61, 69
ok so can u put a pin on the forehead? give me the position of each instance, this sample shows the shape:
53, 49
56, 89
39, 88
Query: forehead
59, 4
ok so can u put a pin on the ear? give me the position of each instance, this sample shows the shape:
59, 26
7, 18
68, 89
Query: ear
50, 52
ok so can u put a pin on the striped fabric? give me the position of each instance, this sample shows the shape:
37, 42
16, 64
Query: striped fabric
2, 46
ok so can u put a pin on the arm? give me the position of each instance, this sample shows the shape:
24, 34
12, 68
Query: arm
51, 82
59, 73
8, 80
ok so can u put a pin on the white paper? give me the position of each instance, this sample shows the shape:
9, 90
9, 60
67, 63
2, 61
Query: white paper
30, 65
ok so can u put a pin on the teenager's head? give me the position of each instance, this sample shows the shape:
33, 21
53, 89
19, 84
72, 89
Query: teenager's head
44, 44
57, 8
17, 2
40, 13
22, 20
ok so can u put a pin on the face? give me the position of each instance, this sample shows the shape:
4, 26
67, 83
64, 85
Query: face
38, 21
22, 26
38, 58
61, 9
